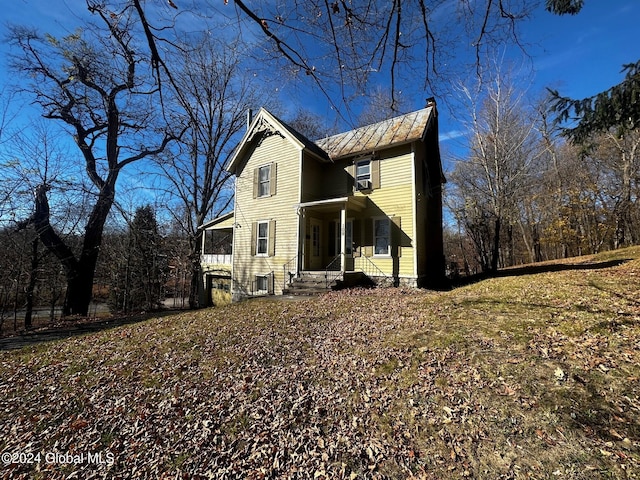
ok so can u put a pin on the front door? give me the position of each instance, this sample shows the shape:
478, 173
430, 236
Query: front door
315, 245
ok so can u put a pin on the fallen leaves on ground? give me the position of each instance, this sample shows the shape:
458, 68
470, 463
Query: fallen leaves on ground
520, 377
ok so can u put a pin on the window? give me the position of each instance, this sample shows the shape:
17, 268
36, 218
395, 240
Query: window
381, 236
363, 170
262, 238
315, 240
264, 181
263, 241
262, 284
363, 175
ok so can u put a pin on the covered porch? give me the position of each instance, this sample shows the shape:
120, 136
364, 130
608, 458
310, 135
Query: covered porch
330, 234
216, 261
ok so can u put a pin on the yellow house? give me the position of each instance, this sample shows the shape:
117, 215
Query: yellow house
364, 205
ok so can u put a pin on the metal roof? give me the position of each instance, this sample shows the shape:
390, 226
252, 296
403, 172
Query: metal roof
394, 131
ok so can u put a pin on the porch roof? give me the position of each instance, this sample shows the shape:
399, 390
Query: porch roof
350, 203
222, 222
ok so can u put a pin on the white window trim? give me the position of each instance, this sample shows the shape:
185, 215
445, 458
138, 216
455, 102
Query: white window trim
358, 163
382, 255
366, 177
266, 239
268, 183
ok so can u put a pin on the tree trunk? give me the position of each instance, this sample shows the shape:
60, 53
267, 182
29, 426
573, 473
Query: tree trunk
31, 286
193, 286
496, 246
79, 272
195, 270
79, 291
511, 258
623, 212
537, 248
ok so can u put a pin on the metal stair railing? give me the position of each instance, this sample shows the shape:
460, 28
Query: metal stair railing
335, 267
287, 274
373, 269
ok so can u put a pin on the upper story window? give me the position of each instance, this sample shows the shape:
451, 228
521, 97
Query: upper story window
363, 175
264, 181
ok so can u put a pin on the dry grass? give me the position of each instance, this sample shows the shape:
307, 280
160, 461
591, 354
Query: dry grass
523, 376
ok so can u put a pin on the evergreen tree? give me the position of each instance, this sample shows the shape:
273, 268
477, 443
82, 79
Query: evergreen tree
140, 274
616, 109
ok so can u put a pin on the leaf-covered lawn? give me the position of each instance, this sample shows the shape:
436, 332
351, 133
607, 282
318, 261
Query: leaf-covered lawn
529, 376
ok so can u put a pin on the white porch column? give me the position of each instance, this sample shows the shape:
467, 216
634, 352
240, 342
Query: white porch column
302, 247
343, 238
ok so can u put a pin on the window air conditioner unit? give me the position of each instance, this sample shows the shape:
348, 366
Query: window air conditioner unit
364, 185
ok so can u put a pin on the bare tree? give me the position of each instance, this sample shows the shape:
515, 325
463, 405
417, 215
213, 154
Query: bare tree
382, 104
310, 125
619, 159
34, 155
491, 182
402, 39
216, 95
342, 48
100, 86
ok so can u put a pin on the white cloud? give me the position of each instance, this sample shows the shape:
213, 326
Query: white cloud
452, 135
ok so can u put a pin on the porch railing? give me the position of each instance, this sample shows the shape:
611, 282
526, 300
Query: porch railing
287, 273
215, 259
333, 270
370, 269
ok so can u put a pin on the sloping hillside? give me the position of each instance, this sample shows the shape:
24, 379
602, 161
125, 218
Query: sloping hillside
530, 375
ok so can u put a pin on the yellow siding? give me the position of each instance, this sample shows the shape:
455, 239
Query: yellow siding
325, 180
317, 181
394, 198
279, 207
421, 201
228, 223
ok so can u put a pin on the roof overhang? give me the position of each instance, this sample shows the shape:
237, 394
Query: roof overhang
222, 222
329, 204
264, 123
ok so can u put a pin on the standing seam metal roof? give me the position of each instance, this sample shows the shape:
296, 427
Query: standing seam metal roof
395, 131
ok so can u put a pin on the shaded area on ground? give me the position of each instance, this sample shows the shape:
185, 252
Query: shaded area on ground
533, 269
72, 328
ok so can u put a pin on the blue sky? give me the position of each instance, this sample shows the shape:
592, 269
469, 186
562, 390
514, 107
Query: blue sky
579, 55
583, 54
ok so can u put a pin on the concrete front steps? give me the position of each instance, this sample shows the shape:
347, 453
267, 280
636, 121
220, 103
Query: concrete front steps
314, 283
311, 283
